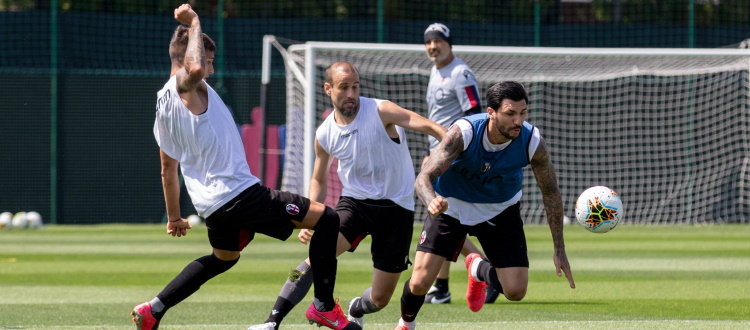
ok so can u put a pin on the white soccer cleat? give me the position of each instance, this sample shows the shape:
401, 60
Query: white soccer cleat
435, 296
264, 326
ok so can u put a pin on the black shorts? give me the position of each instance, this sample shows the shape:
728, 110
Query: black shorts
256, 210
390, 225
502, 238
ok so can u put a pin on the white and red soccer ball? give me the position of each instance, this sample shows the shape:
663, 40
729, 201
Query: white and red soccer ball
599, 209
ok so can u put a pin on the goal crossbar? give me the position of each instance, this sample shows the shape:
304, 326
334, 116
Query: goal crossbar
675, 85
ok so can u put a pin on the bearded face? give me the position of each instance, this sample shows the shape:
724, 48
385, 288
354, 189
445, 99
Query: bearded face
439, 51
506, 122
344, 92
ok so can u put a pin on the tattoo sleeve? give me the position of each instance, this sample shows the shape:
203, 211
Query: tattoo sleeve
195, 57
437, 163
547, 180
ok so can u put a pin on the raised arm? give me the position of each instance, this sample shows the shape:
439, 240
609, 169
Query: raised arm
440, 159
546, 178
193, 70
392, 114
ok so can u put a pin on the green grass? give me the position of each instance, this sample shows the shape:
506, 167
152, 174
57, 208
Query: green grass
635, 277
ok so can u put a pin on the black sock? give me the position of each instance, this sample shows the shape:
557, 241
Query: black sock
294, 290
410, 304
282, 307
323, 257
487, 273
442, 284
190, 280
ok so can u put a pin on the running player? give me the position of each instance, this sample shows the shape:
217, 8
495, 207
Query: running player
472, 185
367, 137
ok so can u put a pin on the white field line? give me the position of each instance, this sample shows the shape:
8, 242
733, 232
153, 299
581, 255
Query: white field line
613, 324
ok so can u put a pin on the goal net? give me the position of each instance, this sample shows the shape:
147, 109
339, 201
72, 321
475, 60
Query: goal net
665, 128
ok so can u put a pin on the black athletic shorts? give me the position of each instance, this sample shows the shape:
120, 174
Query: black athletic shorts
390, 225
502, 238
258, 209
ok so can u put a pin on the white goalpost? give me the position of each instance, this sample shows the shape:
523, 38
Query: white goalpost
666, 128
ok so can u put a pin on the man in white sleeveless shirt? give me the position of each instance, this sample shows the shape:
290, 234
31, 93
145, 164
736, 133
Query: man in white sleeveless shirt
196, 132
452, 93
367, 137
472, 184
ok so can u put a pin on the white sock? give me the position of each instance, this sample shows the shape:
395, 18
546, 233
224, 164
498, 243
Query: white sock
475, 267
156, 305
409, 325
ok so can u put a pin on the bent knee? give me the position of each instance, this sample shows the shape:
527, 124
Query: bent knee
380, 299
419, 288
380, 303
226, 255
515, 295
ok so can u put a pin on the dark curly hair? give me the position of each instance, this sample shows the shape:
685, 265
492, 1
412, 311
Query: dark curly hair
511, 90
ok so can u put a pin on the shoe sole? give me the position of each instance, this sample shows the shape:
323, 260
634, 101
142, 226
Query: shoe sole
138, 320
313, 321
350, 326
317, 323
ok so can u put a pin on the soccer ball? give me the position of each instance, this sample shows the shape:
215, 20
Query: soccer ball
194, 220
34, 220
19, 221
5, 220
599, 209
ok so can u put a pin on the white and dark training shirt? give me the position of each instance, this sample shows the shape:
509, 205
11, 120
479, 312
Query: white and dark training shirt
371, 164
452, 90
208, 147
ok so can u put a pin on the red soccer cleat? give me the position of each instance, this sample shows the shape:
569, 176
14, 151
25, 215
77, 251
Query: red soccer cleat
143, 318
475, 292
335, 319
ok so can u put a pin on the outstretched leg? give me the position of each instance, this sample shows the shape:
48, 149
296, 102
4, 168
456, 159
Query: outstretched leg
148, 315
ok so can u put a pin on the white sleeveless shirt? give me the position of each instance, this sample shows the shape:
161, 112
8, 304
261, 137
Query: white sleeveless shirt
371, 165
208, 147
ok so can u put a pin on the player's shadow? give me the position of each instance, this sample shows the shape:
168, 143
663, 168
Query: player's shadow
549, 303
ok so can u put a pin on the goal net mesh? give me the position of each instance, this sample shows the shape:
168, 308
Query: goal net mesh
668, 132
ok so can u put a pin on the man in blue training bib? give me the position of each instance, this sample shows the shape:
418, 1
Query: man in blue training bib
471, 184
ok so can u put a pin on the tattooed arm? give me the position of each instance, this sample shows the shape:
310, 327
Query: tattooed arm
438, 162
546, 178
192, 72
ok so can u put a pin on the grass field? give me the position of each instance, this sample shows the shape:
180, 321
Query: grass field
635, 277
